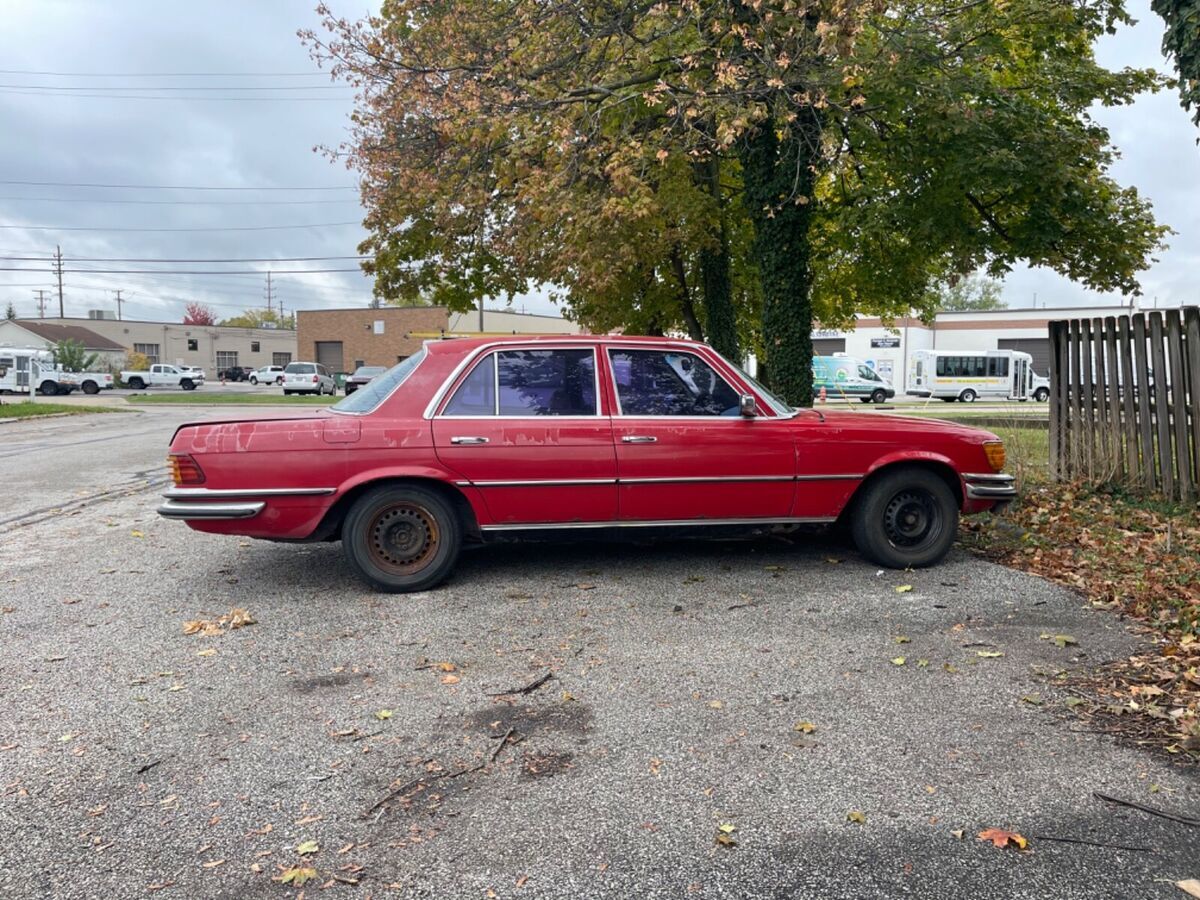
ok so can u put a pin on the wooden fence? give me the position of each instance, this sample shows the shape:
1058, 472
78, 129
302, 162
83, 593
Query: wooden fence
1125, 400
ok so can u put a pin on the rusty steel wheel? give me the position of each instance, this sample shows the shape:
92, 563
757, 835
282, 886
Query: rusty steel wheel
402, 537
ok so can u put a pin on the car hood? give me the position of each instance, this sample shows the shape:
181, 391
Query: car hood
898, 426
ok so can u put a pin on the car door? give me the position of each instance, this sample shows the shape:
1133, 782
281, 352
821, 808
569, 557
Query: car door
684, 452
524, 426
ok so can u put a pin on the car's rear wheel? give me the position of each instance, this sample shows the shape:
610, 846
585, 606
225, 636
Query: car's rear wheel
402, 538
90, 387
879, 395
48, 388
279, 380
254, 380
906, 518
967, 396
136, 383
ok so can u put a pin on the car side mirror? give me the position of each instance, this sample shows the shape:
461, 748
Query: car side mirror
748, 406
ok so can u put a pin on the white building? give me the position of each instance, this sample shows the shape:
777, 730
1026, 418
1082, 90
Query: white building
887, 350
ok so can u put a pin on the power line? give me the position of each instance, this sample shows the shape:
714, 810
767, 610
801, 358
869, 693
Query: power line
158, 230
182, 202
177, 187
179, 271
240, 259
162, 74
95, 96
69, 87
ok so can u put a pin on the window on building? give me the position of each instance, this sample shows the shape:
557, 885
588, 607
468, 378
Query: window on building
150, 351
280, 359
226, 359
255, 346
359, 363
193, 344
401, 359
654, 383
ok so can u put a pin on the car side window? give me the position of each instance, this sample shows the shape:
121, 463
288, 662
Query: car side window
547, 382
669, 383
476, 395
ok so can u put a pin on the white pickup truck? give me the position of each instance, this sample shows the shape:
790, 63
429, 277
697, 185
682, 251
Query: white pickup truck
16, 363
161, 375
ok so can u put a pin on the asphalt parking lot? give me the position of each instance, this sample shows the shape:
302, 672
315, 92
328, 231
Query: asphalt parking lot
366, 737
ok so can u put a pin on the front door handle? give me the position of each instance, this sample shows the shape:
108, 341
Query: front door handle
639, 439
468, 440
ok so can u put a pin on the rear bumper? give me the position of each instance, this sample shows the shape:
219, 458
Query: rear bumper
182, 509
990, 486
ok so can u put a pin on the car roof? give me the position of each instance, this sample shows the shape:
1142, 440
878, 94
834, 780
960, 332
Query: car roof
458, 345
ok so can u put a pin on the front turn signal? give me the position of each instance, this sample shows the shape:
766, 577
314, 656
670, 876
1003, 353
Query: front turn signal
184, 470
994, 450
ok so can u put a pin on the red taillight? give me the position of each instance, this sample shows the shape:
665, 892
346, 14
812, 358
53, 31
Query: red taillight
184, 469
316, 378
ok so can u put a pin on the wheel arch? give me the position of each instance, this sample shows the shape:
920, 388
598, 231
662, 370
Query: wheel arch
938, 465
330, 527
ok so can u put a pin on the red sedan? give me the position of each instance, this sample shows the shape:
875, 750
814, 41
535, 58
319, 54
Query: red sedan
472, 439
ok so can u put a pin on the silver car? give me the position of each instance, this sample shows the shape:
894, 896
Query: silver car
308, 378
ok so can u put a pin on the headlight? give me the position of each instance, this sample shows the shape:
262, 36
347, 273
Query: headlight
994, 450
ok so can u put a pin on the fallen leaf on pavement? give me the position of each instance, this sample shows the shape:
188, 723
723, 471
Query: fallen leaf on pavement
1190, 886
296, 875
446, 667
209, 652
1001, 838
898, 661
136, 534
904, 589
857, 817
958, 834
806, 727
213, 863
1032, 699
1061, 640
307, 847
902, 639
989, 654
450, 679
382, 714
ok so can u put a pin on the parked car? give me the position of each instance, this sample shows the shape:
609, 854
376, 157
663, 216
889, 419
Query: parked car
479, 439
160, 375
267, 375
1040, 387
362, 376
196, 372
845, 376
233, 373
93, 382
308, 378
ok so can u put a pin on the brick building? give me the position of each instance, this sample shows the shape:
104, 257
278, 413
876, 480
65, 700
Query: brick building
344, 339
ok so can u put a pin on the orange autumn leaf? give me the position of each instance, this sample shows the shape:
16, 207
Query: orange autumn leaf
1002, 838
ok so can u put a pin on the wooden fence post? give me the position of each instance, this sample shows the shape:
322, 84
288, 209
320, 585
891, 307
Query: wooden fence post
1114, 395
1104, 466
1058, 406
1177, 406
1161, 405
1145, 426
1191, 324
1087, 396
1129, 400
1076, 412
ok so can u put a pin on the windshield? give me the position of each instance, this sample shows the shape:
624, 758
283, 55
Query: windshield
379, 388
301, 369
780, 408
368, 371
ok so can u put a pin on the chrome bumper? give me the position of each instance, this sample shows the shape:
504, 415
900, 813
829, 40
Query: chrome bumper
176, 509
989, 487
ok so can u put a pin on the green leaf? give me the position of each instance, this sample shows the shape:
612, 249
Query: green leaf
307, 848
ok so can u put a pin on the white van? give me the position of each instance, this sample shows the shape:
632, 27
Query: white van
970, 375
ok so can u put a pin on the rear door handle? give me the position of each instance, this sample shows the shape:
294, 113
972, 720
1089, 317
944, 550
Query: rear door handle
468, 440
639, 439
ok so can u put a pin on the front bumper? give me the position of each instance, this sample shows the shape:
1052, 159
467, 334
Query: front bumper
997, 486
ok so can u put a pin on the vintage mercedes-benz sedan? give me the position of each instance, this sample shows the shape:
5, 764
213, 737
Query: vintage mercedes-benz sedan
475, 439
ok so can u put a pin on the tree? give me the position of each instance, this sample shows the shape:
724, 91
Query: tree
970, 292
261, 318
836, 158
10, 311
1182, 41
73, 356
199, 314
136, 362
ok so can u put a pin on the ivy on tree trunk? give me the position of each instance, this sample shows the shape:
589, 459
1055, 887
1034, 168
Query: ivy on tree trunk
779, 177
714, 271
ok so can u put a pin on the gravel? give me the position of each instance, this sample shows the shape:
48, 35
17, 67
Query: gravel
132, 765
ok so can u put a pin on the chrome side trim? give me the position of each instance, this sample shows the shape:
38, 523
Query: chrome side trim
996, 477
174, 509
845, 477
659, 523
990, 486
538, 482
701, 479
178, 493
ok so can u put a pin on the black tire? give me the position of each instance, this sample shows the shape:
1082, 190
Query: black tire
279, 380
90, 387
187, 384
968, 396
1041, 395
48, 389
136, 384
402, 538
254, 380
879, 396
907, 517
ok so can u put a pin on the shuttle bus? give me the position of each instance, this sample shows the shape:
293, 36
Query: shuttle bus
970, 375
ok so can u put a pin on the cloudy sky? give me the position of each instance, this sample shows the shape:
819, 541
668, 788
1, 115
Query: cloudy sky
178, 103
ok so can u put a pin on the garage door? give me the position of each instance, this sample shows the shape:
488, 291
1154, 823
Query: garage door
329, 354
1038, 348
828, 346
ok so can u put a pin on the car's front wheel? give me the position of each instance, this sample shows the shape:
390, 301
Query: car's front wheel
906, 518
187, 384
879, 395
402, 538
967, 396
1041, 395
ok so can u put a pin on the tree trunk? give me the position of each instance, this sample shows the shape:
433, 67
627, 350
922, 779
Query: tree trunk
779, 178
714, 271
686, 306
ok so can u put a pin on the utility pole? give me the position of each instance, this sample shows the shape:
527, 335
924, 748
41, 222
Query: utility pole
41, 295
270, 292
118, 292
58, 268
